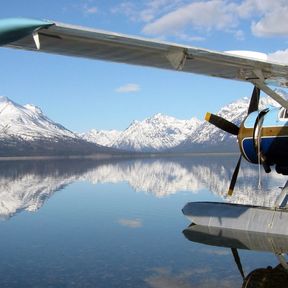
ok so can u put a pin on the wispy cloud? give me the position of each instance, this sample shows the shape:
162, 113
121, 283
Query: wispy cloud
207, 15
239, 35
128, 88
146, 10
85, 7
131, 223
272, 24
162, 18
90, 9
128, 9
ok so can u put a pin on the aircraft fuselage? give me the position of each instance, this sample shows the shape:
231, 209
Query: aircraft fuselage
263, 137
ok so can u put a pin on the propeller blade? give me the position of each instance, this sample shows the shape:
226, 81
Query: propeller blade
254, 102
222, 123
238, 261
234, 177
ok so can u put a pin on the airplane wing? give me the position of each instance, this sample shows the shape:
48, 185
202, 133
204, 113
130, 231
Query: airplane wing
63, 39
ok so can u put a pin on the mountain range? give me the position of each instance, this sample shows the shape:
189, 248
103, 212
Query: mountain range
162, 133
26, 131
155, 134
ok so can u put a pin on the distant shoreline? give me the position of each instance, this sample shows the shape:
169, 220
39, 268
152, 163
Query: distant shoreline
118, 156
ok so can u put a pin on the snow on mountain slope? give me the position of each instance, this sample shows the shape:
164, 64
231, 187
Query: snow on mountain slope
156, 133
207, 135
161, 132
153, 134
28, 122
26, 131
103, 137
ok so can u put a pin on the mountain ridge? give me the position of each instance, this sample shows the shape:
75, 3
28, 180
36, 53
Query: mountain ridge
163, 133
26, 131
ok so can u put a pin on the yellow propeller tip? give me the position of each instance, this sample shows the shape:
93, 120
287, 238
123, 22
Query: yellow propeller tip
230, 192
207, 116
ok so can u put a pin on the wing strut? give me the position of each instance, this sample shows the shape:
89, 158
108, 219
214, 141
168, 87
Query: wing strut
36, 40
260, 83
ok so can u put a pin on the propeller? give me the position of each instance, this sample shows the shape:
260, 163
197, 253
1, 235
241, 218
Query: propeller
234, 177
254, 102
231, 128
238, 261
222, 123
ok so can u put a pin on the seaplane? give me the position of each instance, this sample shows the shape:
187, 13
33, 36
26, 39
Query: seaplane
262, 136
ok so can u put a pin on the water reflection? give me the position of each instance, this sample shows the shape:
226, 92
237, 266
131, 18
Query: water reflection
25, 185
239, 239
236, 238
107, 235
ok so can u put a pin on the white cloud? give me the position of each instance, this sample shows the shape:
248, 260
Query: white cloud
127, 8
280, 56
180, 18
273, 23
128, 88
90, 10
190, 38
131, 223
268, 17
146, 11
213, 14
239, 35
155, 7
86, 7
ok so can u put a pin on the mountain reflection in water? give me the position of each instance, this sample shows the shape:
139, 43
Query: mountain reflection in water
25, 185
108, 235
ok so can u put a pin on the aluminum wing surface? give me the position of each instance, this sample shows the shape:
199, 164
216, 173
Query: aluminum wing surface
63, 39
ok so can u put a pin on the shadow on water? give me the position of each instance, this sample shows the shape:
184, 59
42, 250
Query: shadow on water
267, 277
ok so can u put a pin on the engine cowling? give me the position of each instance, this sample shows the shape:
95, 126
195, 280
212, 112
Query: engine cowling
263, 138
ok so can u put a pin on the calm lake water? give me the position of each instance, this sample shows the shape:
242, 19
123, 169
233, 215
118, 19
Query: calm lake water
84, 223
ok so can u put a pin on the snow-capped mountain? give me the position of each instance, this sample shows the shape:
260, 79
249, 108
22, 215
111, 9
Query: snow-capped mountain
154, 134
207, 137
103, 137
25, 131
28, 122
161, 133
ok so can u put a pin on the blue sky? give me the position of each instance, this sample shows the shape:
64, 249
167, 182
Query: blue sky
82, 94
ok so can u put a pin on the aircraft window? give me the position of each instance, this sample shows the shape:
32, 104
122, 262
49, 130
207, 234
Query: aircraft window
283, 114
